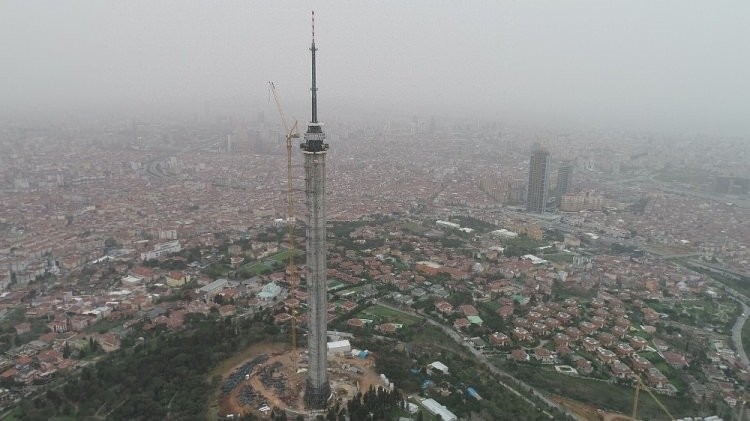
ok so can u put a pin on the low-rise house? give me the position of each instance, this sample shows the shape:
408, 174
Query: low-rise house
588, 328
519, 355
624, 350
605, 355
606, 339
638, 343
540, 329
564, 317
79, 323
522, 322
522, 334
349, 306
640, 364
387, 328
544, 355
589, 344
563, 350
533, 316
505, 311
620, 370
499, 339
355, 323
461, 323
444, 307
623, 323
573, 333
552, 323
469, 310
656, 378
59, 324
561, 339
599, 322
584, 366
619, 332
108, 342
437, 366
176, 278
674, 359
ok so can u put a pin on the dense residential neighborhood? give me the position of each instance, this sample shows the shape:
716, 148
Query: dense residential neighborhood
96, 257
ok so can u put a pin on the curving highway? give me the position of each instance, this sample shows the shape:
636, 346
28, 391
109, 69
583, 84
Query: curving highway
737, 332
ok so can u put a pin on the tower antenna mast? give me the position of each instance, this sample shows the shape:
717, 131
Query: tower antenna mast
314, 88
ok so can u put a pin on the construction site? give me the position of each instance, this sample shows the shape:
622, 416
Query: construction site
270, 380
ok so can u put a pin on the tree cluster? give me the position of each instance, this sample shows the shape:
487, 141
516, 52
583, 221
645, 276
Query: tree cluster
163, 378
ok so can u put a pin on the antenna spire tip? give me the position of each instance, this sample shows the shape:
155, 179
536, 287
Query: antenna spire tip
313, 26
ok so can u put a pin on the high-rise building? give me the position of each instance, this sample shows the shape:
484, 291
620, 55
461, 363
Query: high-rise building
314, 149
536, 191
564, 179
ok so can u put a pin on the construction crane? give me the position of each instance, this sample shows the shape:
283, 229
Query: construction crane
638, 385
291, 133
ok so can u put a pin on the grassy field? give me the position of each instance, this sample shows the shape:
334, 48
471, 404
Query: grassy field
434, 337
603, 395
283, 257
258, 268
382, 314
560, 257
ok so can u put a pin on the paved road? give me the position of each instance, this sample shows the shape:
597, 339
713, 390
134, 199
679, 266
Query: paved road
740, 322
491, 367
737, 332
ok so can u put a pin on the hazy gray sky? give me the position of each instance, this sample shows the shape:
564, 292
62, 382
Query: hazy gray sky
663, 65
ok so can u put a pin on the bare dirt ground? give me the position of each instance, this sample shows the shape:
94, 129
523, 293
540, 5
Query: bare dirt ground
279, 382
587, 412
616, 417
238, 359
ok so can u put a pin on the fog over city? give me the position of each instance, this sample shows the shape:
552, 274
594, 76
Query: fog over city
676, 66
429, 210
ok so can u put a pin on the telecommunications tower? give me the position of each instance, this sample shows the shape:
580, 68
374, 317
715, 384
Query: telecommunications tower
314, 150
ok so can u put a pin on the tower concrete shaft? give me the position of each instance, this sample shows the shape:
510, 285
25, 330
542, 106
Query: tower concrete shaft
318, 389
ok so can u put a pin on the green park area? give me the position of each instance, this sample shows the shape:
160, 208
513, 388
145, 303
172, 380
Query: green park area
283, 257
379, 314
269, 264
559, 257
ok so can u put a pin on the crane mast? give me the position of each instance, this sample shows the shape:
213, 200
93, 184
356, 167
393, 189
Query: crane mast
290, 133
